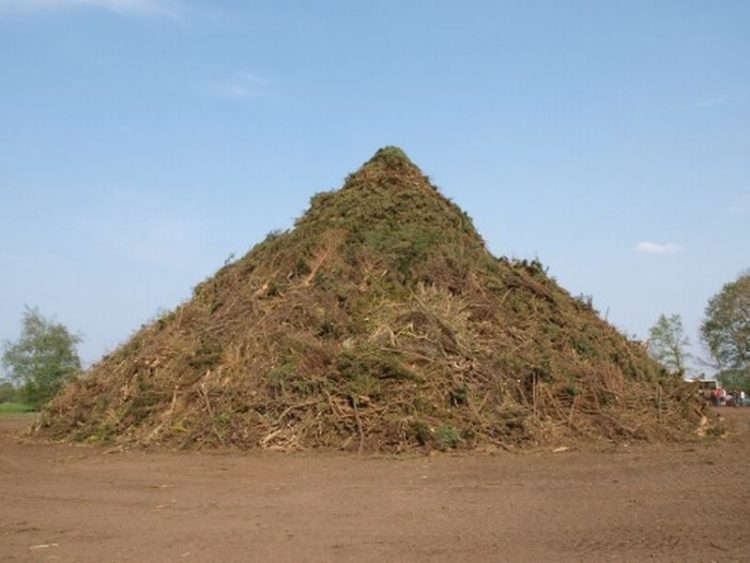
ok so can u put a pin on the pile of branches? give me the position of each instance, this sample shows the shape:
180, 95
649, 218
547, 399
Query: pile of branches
379, 323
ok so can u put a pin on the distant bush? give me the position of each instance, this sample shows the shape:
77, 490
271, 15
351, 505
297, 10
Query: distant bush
8, 393
43, 360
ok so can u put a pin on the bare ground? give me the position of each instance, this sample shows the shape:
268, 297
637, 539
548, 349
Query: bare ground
688, 502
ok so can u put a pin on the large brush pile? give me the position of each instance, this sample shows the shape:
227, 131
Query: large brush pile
380, 322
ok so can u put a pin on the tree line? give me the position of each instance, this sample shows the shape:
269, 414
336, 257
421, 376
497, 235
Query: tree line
725, 332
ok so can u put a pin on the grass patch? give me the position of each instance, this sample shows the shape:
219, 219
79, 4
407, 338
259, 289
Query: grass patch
15, 408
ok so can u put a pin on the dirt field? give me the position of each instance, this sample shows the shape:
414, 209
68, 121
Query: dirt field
677, 503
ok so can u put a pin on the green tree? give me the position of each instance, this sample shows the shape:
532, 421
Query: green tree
667, 343
7, 392
726, 327
735, 380
44, 358
726, 332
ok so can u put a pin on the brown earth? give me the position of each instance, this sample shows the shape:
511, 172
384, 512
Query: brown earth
667, 503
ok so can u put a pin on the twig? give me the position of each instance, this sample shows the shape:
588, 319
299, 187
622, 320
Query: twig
289, 409
359, 426
270, 436
164, 417
658, 404
211, 414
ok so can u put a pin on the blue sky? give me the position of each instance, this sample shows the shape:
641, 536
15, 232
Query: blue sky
144, 141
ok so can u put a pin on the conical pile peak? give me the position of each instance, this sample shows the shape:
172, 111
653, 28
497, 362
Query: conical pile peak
379, 322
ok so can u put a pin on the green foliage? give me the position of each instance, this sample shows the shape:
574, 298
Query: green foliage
8, 393
448, 437
584, 346
390, 155
459, 396
43, 360
585, 302
381, 365
391, 215
726, 327
224, 417
207, 356
103, 434
667, 343
569, 391
421, 431
735, 380
279, 377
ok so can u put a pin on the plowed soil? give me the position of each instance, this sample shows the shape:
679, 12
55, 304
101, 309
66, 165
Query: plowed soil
665, 503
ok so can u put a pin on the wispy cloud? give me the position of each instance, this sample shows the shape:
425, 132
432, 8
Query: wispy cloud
737, 210
711, 102
716, 101
160, 8
241, 86
647, 247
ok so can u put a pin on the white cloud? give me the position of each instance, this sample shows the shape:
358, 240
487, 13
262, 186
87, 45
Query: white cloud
161, 8
737, 210
241, 86
711, 102
719, 100
647, 247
